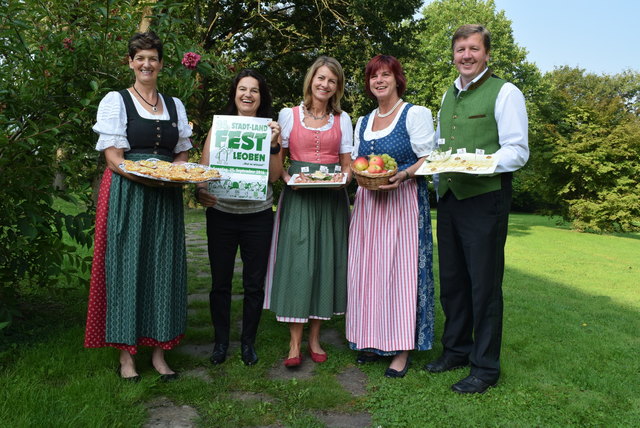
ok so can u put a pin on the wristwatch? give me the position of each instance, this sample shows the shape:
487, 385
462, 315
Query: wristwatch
275, 150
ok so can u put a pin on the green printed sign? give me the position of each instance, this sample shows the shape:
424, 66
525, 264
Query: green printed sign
240, 151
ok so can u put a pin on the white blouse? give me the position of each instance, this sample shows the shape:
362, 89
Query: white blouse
111, 122
285, 119
419, 127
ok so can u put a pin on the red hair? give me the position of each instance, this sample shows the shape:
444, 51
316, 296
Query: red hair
390, 62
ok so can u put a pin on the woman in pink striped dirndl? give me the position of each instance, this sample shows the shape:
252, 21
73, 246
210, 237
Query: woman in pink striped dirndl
390, 280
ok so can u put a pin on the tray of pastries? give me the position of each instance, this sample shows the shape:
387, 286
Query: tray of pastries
156, 169
467, 163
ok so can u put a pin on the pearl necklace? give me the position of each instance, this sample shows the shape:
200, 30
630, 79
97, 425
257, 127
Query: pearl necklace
390, 111
153, 106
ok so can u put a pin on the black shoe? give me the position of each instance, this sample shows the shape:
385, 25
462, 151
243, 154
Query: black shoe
219, 353
364, 358
472, 385
444, 364
132, 379
169, 377
398, 374
249, 356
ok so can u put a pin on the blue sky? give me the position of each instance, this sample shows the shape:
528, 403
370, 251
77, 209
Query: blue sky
601, 36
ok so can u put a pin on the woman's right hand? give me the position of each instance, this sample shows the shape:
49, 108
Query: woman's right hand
286, 177
205, 198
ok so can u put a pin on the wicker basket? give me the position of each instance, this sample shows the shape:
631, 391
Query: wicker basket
372, 181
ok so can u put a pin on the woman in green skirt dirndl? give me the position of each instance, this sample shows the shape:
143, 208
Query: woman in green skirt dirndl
307, 273
138, 278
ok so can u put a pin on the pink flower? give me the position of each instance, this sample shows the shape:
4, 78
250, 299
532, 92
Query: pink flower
190, 60
68, 43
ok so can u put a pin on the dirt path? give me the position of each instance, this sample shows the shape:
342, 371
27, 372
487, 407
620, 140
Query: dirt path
163, 413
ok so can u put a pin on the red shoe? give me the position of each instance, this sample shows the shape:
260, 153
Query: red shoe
293, 362
317, 358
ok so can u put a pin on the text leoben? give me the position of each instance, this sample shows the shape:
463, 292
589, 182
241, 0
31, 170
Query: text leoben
259, 157
239, 140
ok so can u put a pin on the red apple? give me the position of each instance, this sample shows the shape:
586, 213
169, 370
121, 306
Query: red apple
360, 163
376, 160
374, 169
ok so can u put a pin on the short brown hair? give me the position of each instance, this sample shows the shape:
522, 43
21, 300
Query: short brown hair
469, 30
145, 41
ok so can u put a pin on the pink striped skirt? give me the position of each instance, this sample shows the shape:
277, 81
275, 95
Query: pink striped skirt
383, 269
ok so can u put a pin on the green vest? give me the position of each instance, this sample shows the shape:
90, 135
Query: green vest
468, 121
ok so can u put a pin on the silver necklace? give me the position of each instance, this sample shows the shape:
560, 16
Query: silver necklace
316, 118
153, 106
389, 112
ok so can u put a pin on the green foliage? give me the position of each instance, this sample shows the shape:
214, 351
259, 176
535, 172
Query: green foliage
49, 90
57, 60
588, 145
282, 39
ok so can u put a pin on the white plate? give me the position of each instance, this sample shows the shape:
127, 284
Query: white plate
466, 163
187, 164
319, 183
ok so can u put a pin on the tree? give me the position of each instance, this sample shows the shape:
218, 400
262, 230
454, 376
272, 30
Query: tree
57, 60
588, 141
281, 40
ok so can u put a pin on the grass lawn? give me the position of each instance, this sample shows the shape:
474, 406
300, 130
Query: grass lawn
570, 355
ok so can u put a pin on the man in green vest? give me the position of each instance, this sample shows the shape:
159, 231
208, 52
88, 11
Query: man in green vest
480, 113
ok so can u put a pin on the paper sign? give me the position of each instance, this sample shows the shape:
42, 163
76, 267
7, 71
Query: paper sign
239, 150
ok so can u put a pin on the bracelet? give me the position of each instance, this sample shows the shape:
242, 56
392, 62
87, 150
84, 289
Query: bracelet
408, 176
275, 150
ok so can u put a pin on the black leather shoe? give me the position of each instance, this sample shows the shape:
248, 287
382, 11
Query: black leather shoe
364, 358
398, 374
169, 377
444, 364
249, 356
219, 353
132, 379
472, 385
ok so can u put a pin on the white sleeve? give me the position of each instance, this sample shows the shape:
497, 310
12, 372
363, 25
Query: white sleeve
285, 119
111, 123
184, 129
356, 138
420, 129
513, 129
346, 128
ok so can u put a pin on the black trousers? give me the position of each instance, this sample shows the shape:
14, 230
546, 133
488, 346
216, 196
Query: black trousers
471, 236
225, 233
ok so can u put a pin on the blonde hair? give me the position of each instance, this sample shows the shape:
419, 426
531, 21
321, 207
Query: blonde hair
335, 67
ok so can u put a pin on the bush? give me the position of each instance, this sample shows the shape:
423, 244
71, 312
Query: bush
57, 61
